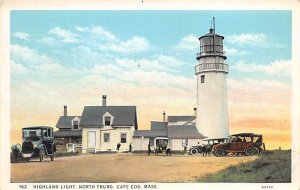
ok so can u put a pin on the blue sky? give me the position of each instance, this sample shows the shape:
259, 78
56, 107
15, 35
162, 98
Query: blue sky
147, 59
163, 30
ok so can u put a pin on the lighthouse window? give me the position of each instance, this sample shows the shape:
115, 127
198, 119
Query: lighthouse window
202, 78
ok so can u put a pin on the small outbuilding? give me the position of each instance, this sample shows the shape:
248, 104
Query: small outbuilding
178, 133
69, 129
157, 135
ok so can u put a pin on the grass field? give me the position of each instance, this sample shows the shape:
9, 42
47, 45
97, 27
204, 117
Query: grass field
270, 167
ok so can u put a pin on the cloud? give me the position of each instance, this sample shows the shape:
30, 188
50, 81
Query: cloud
252, 39
277, 68
25, 55
87, 56
50, 67
65, 35
250, 99
99, 31
259, 97
169, 61
21, 35
49, 41
134, 44
234, 52
110, 42
159, 63
188, 43
17, 68
106, 70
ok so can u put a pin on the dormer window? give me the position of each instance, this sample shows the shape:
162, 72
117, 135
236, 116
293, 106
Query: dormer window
107, 120
75, 125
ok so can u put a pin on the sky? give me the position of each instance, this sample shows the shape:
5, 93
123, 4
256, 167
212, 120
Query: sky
147, 59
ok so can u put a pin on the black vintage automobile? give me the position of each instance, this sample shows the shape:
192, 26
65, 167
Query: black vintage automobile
38, 142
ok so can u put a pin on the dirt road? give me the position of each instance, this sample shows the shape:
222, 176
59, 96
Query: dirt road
121, 168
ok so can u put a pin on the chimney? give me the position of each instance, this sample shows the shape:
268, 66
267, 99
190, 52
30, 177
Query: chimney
195, 112
65, 110
104, 100
164, 116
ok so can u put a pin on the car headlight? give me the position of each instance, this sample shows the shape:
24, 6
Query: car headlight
34, 144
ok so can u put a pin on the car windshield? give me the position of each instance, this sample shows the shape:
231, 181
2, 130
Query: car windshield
31, 132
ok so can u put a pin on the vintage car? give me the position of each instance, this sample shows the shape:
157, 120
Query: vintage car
194, 150
38, 142
161, 146
248, 144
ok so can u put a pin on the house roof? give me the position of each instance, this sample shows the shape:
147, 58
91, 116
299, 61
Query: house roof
158, 126
150, 133
181, 118
68, 133
184, 131
66, 121
122, 116
210, 35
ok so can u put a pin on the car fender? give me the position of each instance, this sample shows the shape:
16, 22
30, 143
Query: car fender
250, 145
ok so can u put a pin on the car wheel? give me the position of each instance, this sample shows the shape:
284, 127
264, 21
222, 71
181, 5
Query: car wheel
256, 150
13, 158
219, 152
27, 159
194, 151
41, 155
52, 157
249, 151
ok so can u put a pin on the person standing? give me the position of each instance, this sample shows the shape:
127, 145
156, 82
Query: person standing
207, 150
149, 148
118, 146
130, 148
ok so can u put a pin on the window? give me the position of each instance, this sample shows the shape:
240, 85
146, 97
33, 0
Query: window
123, 137
107, 120
45, 133
202, 78
106, 137
49, 133
75, 125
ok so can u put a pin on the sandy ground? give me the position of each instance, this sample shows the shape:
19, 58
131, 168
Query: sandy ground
121, 168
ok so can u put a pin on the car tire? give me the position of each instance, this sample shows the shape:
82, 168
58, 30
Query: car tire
219, 152
41, 155
13, 158
256, 150
194, 151
250, 151
52, 157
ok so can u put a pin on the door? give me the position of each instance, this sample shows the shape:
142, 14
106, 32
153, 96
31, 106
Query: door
91, 139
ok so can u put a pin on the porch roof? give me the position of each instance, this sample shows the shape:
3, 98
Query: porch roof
184, 131
68, 133
149, 133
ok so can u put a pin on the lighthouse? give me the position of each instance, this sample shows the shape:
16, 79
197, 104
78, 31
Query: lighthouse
211, 72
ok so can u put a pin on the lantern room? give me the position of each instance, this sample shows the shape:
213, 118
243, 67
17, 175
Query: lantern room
211, 44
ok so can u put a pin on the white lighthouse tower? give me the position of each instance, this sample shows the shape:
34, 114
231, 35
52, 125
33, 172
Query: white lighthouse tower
211, 71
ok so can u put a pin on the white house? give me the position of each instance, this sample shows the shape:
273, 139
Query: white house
103, 127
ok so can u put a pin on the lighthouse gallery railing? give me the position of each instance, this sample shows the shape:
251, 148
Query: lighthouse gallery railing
212, 67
